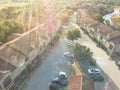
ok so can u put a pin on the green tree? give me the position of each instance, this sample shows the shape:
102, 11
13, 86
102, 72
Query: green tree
73, 34
98, 17
82, 53
2, 36
9, 13
107, 22
64, 14
7, 27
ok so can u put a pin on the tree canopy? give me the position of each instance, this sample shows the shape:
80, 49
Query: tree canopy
9, 24
98, 17
73, 34
64, 14
7, 27
82, 53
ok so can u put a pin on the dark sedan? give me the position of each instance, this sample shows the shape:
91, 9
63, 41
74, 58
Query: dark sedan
97, 77
54, 86
60, 81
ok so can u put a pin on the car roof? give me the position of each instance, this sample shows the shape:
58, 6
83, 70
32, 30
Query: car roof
62, 73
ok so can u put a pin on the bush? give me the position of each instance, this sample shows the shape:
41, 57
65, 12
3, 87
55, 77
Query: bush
73, 34
82, 52
93, 62
98, 17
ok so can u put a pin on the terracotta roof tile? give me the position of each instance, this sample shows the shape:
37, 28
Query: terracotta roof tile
75, 82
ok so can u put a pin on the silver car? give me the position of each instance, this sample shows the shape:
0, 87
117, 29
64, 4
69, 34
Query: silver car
68, 54
93, 71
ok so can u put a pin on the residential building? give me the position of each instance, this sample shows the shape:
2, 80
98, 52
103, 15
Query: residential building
6, 81
19, 55
104, 35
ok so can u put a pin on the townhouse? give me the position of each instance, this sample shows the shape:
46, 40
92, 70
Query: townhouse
105, 36
19, 56
6, 81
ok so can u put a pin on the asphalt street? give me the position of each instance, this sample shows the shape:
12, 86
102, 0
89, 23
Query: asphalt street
52, 61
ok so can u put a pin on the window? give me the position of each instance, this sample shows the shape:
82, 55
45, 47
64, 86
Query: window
7, 81
91, 31
101, 37
111, 47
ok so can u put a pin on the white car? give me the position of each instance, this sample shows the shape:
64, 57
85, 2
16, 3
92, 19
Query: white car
62, 74
70, 44
68, 54
93, 71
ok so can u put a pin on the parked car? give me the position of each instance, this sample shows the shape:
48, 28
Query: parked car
118, 63
70, 44
93, 71
68, 54
60, 81
54, 86
63, 75
97, 77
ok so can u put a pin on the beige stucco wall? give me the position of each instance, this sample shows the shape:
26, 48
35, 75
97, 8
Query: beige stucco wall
117, 48
2, 80
17, 71
107, 45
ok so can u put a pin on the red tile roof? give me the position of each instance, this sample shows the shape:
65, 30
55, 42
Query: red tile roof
75, 82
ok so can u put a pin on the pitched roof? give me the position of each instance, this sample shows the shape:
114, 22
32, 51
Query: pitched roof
114, 34
6, 65
103, 29
89, 21
13, 36
27, 41
116, 40
11, 56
